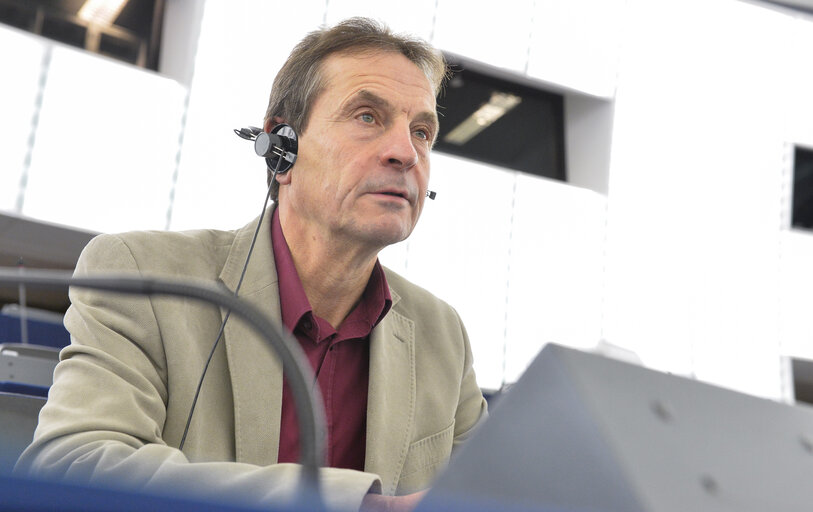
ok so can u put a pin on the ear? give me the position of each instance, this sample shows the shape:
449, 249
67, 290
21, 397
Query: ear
284, 178
270, 123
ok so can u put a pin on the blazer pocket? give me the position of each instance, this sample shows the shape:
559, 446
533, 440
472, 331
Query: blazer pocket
425, 458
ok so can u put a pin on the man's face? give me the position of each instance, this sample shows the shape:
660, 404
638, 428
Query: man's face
363, 165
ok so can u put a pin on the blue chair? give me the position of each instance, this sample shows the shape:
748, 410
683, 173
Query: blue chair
44, 328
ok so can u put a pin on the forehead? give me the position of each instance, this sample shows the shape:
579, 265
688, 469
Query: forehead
387, 73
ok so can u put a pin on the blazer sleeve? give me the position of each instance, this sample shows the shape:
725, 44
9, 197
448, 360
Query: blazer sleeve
103, 421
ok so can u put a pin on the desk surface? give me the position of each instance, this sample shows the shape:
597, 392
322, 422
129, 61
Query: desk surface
39, 496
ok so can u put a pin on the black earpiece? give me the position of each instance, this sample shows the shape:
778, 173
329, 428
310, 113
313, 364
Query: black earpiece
281, 143
279, 147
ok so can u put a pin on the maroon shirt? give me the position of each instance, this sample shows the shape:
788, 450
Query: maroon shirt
340, 360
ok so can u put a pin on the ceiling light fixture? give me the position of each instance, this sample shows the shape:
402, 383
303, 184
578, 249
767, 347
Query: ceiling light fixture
499, 104
101, 12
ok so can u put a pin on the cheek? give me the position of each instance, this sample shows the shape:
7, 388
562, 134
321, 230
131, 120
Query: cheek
423, 176
426, 164
419, 210
349, 168
315, 163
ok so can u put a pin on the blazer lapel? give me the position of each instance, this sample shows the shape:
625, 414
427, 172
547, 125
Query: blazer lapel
256, 372
391, 398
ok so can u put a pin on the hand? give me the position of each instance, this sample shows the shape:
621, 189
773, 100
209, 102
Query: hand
379, 503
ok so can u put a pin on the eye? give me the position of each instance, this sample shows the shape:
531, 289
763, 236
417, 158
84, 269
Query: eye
367, 117
423, 134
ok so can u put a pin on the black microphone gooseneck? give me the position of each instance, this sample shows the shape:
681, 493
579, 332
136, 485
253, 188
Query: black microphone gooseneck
307, 399
273, 145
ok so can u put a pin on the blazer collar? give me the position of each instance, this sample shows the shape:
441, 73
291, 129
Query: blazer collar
261, 271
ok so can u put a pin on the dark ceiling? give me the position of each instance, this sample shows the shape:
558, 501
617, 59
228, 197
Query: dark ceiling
134, 36
802, 211
528, 138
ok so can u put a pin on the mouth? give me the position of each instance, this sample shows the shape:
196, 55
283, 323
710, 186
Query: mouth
394, 193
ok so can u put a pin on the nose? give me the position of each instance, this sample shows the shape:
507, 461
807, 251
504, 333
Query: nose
399, 149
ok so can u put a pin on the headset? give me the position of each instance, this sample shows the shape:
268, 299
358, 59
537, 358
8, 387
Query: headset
279, 147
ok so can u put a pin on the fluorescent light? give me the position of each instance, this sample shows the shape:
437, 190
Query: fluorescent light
101, 12
483, 117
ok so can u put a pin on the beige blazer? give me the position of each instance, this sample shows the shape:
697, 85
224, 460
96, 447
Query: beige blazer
124, 386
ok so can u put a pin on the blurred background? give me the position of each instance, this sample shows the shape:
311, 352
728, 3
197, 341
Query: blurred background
625, 175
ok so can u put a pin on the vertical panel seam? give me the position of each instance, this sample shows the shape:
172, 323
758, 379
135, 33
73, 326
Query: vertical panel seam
182, 131
32, 134
508, 282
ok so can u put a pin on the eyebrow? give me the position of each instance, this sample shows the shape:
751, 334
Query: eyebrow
366, 96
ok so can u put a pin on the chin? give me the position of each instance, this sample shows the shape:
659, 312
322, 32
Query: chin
384, 237
387, 240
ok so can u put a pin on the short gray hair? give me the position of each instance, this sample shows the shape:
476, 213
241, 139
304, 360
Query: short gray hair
300, 81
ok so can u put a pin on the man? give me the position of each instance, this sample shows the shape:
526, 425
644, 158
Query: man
392, 361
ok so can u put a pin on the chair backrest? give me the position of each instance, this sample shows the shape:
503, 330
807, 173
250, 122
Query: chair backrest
18, 419
27, 364
43, 327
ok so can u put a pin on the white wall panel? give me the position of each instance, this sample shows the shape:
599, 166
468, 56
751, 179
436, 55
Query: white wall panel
575, 43
459, 252
556, 267
221, 182
179, 39
106, 145
497, 34
18, 94
795, 92
795, 302
695, 188
414, 17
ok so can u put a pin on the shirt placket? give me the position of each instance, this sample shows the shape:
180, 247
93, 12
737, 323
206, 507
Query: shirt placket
326, 380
